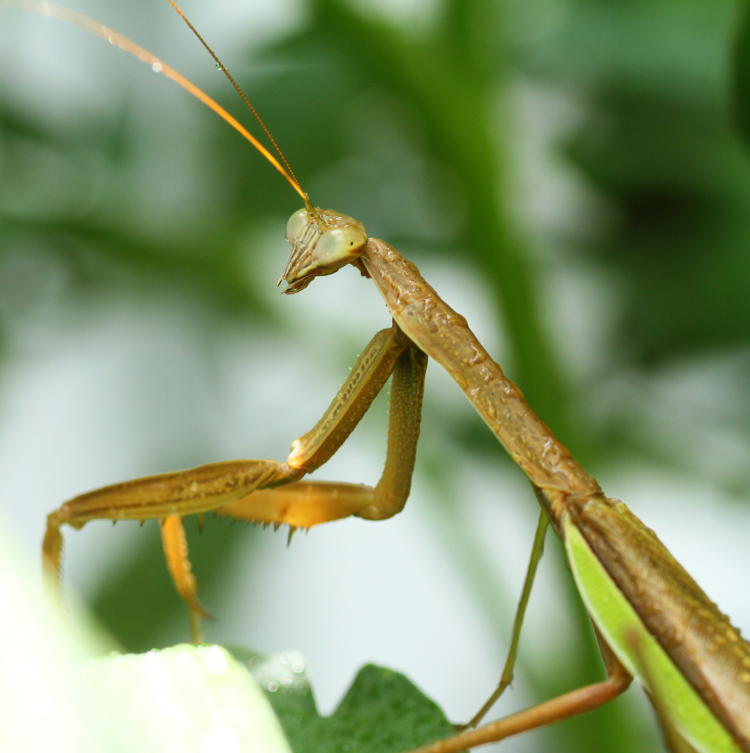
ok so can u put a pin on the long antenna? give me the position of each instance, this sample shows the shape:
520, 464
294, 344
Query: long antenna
236, 86
60, 13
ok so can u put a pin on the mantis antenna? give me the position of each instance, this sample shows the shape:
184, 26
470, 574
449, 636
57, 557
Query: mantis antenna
60, 13
237, 88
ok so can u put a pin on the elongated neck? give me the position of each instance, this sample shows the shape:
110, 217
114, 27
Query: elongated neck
444, 335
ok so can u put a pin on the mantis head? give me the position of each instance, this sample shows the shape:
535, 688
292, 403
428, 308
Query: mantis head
322, 241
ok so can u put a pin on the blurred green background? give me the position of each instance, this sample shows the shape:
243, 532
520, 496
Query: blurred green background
567, 173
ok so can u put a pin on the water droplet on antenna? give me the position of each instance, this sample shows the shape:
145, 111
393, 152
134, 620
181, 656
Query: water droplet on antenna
156, 67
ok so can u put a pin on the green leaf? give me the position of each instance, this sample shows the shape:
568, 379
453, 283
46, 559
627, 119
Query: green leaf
382, 712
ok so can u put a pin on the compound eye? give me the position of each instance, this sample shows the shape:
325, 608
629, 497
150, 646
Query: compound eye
339, 244
297, 225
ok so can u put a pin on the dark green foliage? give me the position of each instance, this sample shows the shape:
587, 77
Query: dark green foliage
741, 72
660, 146
381, 712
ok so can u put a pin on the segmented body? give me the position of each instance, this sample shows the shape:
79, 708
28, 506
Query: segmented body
709, 652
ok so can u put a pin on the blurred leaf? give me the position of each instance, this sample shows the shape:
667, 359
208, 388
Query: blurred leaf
186, 698
657, 144
741, 72
45, 689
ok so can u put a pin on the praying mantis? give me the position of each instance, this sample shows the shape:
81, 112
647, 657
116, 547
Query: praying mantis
573, 499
